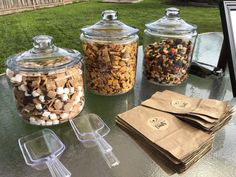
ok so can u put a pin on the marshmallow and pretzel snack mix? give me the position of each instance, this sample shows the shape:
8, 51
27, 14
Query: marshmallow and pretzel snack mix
47, 83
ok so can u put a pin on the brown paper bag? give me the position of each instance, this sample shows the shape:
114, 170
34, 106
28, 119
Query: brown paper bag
172, 102
166, 131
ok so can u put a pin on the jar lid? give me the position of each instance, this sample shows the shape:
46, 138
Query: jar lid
43, 57
109, 27
171, 23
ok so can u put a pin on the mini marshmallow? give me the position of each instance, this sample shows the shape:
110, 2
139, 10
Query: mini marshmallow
22, 88
48, 123
80, 94
80, 88
46, 114
27, 94
42, 98
53, 116
17, 79
77, 100
39, 106
72, 90
9, 73
55, 122
64, 115
37, 123
35, 94
41, 122
32, 120
65, 97
66, 91
81, 108
60, 90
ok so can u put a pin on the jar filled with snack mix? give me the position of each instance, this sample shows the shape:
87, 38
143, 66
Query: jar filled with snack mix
47, 82
110, 51
168, 48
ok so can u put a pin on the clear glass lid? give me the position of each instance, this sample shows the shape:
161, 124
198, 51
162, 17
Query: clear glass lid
109, 27
171, 23
44, 56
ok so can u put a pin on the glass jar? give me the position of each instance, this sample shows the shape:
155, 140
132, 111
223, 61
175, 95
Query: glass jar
47, 82
110, 50
168, 48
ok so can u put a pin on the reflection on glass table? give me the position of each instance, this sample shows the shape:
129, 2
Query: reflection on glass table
134, 162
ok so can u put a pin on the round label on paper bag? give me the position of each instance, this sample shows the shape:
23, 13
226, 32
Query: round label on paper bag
180, 104
158, 123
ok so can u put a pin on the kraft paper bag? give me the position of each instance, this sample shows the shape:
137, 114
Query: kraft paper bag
172, 103
207, 114
166, 131
167, 135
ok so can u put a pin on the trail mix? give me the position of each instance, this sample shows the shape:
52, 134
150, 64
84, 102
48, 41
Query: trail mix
111, 68
167, 62
48, 98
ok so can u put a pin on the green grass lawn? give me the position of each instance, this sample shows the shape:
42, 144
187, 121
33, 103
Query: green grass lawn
64, 23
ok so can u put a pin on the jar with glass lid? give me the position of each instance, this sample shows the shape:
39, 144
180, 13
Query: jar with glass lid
110, 52
168, 48
47, 82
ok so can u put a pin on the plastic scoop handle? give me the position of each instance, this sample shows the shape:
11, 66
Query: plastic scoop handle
111, 159
103, 145
57, 169
100, 141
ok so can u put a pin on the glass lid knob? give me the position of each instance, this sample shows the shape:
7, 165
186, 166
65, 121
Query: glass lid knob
109, 15
172, 12
43, 42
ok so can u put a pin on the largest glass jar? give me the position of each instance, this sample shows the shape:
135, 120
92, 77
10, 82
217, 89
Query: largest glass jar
47, 82
110, 51
168, 48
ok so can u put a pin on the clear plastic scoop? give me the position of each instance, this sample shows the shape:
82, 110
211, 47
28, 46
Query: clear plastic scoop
90, 130
41, 150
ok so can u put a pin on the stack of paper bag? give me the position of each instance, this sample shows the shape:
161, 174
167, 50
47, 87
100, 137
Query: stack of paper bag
207, 114
179, 144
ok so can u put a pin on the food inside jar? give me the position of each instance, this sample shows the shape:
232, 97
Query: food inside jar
111, 68
167, 62
48, 98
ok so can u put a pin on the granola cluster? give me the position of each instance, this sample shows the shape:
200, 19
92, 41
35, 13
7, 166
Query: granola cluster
48, 98
111, 68
167, 62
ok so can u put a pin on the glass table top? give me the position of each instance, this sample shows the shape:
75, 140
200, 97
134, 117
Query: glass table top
134, 162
